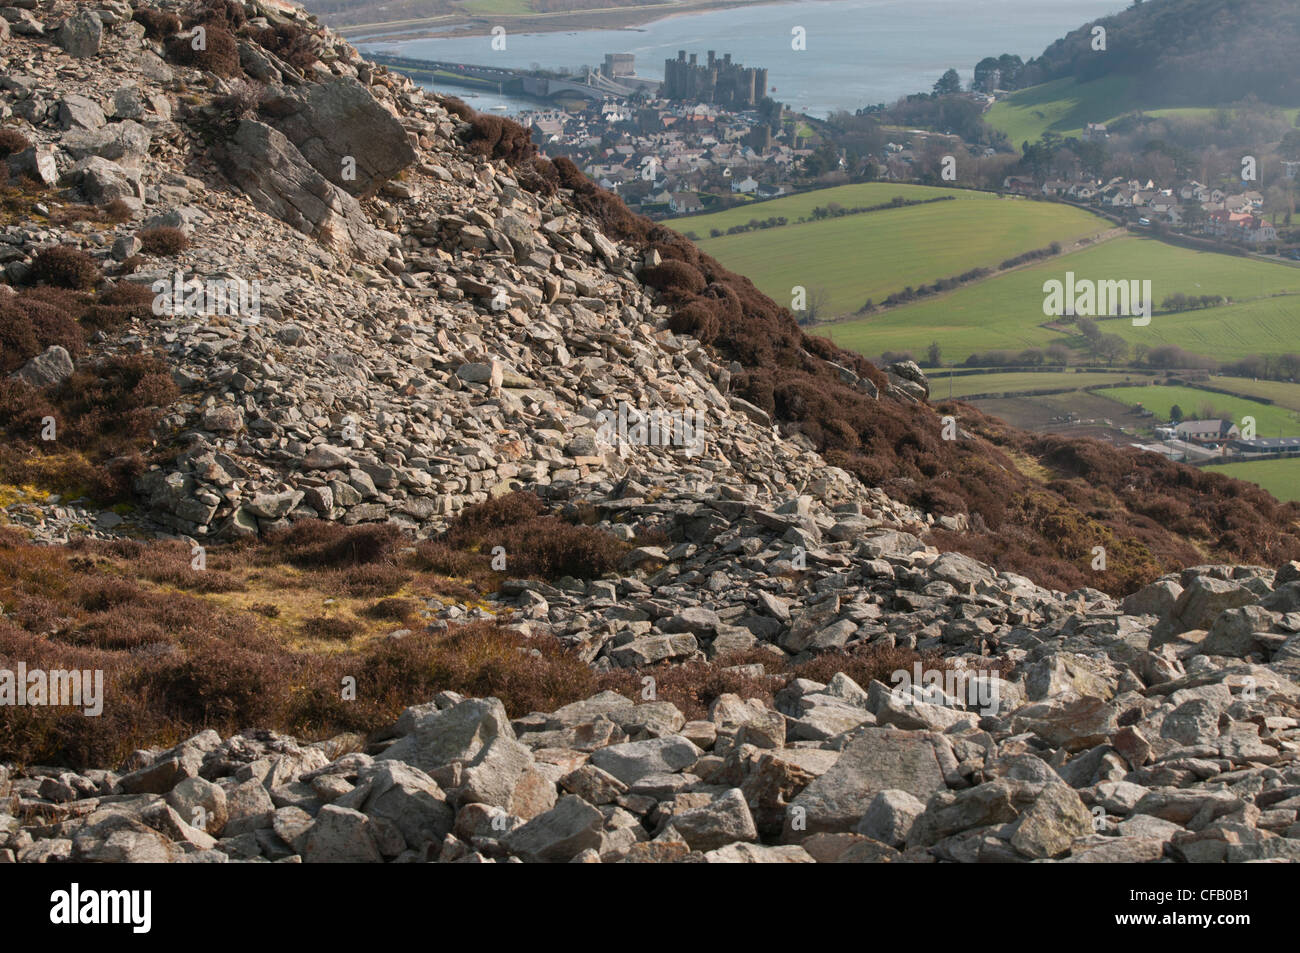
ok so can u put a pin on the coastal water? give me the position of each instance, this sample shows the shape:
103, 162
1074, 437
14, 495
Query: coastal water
859, 52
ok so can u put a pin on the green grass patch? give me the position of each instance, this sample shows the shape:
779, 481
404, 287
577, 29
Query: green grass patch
1270, 420
801, 205
861, 257
1065, 106
942, 386
1006, 311
1279, 477
1282, 393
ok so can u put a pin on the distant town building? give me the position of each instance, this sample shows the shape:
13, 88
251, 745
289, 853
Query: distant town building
618, 64
720, 81
1207, 431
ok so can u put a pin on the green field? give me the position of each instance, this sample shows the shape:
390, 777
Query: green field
1279, 477
1282, 393
799, 206
1065, 106
1014, 382
1006, 312
1270, 421
858, 257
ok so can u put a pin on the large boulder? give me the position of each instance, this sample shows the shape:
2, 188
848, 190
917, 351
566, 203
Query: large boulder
51, 366
281, 182
345, 134
82, 33
879, 759
458, 733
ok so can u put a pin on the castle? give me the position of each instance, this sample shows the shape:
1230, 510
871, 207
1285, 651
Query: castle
720, 81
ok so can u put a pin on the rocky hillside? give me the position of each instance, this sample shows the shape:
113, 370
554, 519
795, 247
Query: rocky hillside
325, 397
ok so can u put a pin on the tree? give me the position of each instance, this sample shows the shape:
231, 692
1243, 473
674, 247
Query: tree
1175, 413
816, 304
1112, 348
934, 354
948, 84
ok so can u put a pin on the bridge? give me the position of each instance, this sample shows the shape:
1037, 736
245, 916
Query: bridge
593, 85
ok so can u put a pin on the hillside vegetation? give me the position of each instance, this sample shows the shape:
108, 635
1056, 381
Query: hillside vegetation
1186, 52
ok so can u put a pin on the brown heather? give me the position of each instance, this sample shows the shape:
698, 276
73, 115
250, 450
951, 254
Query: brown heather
179, 656
163, 241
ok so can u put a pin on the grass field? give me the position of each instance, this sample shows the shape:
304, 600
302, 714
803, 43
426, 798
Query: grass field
1279, 477
860, 257
1065, 106
1282, 393
1019, 382
798, 206
1270, 420
1006, 311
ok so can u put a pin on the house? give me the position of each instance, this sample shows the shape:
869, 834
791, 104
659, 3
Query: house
1095, 132
684, 202
1055, 187
746, 186
1120, 198
769, 190
1162, 204
1254, 229
1207, 431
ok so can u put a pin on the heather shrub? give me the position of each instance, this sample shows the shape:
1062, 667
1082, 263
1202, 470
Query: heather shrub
158, 24
536, 545
457, 107
317, 544
12, 142
164, 241
330, 627
65, 267
499, 138
292, 43
229, 13
677, 279
34, 319
394, 610
220, 53
696, 319
123, 302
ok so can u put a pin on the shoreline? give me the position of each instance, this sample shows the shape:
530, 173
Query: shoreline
456, 26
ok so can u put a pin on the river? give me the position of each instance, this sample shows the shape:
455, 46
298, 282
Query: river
858, 52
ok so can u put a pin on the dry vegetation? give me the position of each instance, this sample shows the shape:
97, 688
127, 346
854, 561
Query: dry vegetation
182, 649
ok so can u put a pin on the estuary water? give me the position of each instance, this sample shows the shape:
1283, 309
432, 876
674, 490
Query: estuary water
858, 52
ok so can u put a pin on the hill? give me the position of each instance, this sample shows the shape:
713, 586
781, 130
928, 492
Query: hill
403, 497
1185, 52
